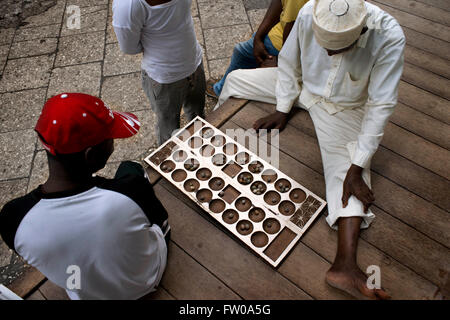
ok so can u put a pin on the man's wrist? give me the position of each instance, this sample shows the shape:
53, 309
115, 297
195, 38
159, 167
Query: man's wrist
355, 169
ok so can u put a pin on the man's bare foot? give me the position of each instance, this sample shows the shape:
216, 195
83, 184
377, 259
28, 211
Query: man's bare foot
353, 281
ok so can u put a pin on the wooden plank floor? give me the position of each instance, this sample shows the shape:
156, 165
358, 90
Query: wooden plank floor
410, 237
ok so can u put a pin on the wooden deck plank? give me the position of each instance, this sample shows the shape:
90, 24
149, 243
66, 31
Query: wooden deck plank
26, 282
429, 128
419, 24
37, 295
427, 61
419, 9
185, 278
237, 267
429, 219
426, 43
443, 4
293, 134
402, 171
426, 80
159, 294
52, 292
424, 102
394, 272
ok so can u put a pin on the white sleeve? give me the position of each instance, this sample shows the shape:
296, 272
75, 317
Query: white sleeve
383, 92
128, 20
289, 78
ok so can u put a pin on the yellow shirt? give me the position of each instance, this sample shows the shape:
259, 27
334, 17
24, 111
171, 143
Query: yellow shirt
288, 14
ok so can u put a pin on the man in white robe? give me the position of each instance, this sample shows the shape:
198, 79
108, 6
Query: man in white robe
342, 63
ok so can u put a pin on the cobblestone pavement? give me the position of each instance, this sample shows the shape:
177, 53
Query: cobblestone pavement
45, 57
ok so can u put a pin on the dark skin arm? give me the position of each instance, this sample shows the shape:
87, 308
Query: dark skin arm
271, 61
355, 185
271, 18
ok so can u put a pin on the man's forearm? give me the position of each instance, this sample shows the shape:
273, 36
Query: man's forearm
287, 30
271, 18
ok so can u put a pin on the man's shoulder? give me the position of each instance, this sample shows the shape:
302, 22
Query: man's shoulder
385, 24
12, 215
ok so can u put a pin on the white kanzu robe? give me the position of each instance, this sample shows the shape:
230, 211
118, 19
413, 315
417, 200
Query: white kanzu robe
350, 96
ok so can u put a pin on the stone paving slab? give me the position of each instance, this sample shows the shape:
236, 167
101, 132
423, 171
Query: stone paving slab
117, 62
17, 149
124, 93
256, 16
26, 33
3, 55
39, 173
26, 73
33, 48
222, 13
51, 16
6, 36
79, 78
20, 110
92, 19
221, 41
81, 48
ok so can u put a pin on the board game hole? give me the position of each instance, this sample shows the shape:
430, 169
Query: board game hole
191, 185
207, 150
167, 166
271, 225
195, 142
243, 204
164, 153
229, 194
269, 176
230, 149
179, 156
283, 185
286, 208
272, 198
218, 141
217, 206
191, 164
297, 195
179, 175
259, 239
258, 187
244, 227
245, 178
257, 214
230, 216
189, 131
256, 167
242, 158
219, 159
207, 133
216, 184
204, 195
203, 174
232, 169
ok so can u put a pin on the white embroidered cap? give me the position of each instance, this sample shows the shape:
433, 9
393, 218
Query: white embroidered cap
338, 23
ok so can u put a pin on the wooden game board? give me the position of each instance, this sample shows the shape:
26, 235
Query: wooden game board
256, 202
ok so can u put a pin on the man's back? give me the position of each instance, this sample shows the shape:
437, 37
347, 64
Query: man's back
103, 230
164, 33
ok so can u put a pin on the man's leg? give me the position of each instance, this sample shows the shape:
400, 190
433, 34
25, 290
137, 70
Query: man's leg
243, 58
254, 84
194, 104
166, 101
334, 132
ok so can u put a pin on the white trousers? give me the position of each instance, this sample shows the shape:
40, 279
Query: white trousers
334, 132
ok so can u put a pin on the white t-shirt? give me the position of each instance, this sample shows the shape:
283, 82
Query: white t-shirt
109, 231
164, 33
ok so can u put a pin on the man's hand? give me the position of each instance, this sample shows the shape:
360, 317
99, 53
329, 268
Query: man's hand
355, 185
259, 51
276, 120
271, 62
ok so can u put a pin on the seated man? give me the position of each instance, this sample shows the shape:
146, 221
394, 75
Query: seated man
110, 230
344, 58
263, 47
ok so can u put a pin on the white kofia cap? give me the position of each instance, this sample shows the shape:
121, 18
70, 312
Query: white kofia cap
338, 23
